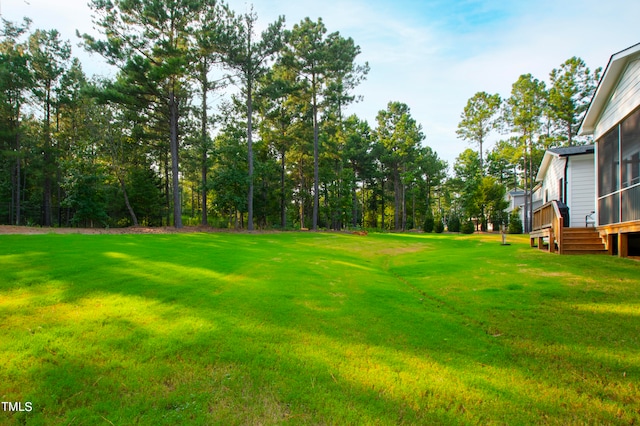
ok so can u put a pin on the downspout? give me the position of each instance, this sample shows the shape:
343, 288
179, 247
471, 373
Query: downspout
566, 185
565, 198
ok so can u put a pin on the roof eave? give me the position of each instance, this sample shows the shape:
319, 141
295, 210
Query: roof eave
546, 160
615, 67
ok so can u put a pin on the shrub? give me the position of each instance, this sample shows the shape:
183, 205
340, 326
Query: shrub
429, 222
515, 223
453, 225
467, 227
439, 226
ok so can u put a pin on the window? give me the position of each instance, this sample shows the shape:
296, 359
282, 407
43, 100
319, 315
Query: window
608, 163
561, 190
630, 140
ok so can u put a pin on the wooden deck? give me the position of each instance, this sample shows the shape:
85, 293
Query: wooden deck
617, 237
549, 233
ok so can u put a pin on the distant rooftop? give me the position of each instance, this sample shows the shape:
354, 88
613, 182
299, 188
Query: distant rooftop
559, 153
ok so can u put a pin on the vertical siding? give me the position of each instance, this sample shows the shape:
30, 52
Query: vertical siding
581, 188
623, 101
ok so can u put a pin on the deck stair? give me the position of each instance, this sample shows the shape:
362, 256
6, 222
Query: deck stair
582, 241
551, 231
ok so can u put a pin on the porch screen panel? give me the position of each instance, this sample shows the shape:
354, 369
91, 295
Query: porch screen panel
631, 204
609, 210
608, 163
630, 147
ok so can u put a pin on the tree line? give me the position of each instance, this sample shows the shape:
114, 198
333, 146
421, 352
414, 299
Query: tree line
206, 121
209, 122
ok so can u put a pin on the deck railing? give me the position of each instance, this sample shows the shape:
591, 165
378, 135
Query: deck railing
544, 216
548, 217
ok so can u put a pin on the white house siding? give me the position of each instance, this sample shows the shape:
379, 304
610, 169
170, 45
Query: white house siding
537, 198
581, 188
550, 184
623, 100
516, 200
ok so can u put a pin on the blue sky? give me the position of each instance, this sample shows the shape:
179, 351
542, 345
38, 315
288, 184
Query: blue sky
432, 55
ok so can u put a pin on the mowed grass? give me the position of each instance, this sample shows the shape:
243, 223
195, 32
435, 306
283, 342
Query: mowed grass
315, 328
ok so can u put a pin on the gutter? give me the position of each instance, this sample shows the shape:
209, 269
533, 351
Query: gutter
566, 182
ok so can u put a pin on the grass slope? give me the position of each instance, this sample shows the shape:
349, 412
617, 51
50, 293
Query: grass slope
314, 328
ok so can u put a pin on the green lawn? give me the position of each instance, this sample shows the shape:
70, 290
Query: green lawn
314, 328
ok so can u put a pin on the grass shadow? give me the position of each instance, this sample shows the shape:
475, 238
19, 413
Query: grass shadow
318, 328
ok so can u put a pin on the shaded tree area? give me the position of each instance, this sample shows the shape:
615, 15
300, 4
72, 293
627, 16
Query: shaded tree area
207, 121
204, 121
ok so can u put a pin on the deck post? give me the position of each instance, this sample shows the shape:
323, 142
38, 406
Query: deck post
560, 224
552, 243
623, 245
610, 250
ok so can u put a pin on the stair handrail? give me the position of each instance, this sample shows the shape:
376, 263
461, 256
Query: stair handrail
548, 216
545, 216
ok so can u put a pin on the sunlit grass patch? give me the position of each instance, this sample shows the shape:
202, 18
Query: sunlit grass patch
314, 328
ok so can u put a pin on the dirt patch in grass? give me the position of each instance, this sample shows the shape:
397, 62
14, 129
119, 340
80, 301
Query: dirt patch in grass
394, 251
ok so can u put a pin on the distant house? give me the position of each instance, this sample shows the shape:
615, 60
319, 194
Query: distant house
568, 175
515, 198
613, 118
564, 223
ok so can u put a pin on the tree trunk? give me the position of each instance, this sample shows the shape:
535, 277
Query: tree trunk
302, 189
354, 212
525, 213
12, 204
134, 218
481, 158
382, 202
47, 195
250, 153
316, 174
58, 173
330, 219
413, 208
59, 195
530, 220
283, 212
205, 218
205, 89
167, 190
363, 203
173, 121
396, 198
193, 201
17, 204
404, 207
